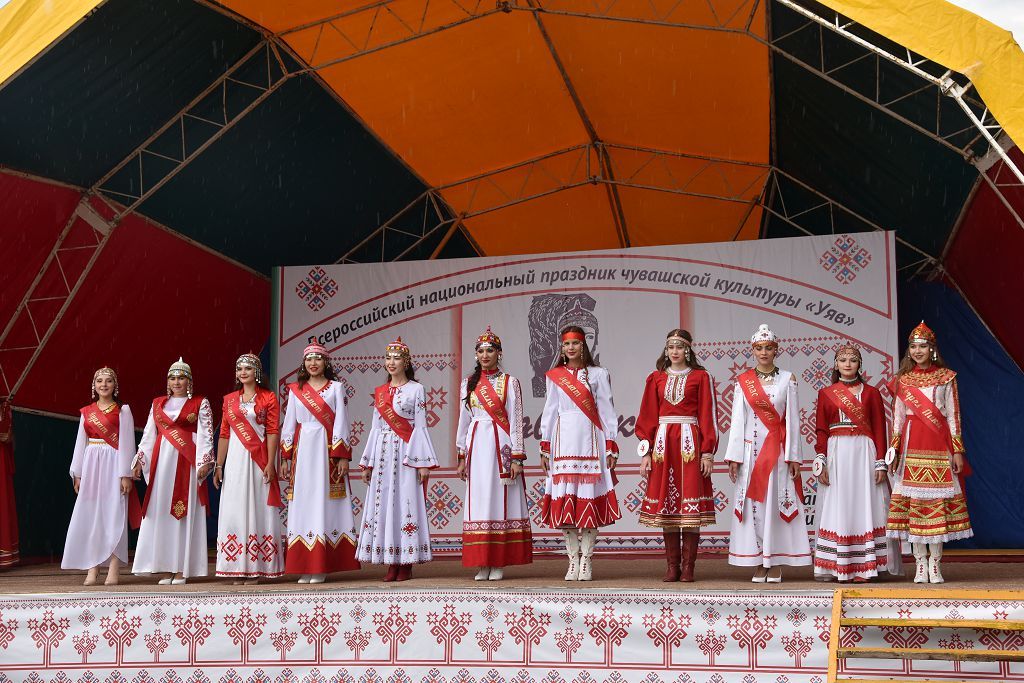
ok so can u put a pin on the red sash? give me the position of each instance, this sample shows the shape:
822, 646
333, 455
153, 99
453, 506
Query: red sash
774, 442
317, 407
181, 434
384, 401
580, 394
846, 401
247, 436
492, 403
927, 411
103, 425
107, 426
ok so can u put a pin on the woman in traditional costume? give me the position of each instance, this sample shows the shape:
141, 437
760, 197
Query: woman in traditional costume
316, 454
8, 509
578, 451
250, 535
926, 455
396, 465
101, 470
768, 528
175, 456
853, 491
678, 431
496, 526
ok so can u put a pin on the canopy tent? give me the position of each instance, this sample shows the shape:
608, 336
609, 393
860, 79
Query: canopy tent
172, 152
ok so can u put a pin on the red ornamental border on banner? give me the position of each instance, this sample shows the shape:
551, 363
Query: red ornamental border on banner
468, 636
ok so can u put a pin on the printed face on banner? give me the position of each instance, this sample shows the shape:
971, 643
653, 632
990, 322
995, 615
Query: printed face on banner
816, 294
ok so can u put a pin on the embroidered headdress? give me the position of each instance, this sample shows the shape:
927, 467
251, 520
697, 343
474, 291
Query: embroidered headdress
922, 334
578, 316
849, 348
764, 336
180, 368
488, 339
397, 347
253, 361
315, 350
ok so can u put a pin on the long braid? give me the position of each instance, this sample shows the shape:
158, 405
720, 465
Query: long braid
472, 381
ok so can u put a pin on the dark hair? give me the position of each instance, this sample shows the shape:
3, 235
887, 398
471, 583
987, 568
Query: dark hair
662, 363
588, 358
907, 364
860, 369
304, 373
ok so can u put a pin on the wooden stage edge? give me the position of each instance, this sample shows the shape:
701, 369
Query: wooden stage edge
974, 570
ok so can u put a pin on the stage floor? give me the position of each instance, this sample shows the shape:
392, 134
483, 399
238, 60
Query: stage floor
995, 572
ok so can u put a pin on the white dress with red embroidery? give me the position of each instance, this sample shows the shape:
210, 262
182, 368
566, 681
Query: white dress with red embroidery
851, 542
167, 544
496, 526
321, 528
579, 490
395, 528
759, 536
99, 523
250, 535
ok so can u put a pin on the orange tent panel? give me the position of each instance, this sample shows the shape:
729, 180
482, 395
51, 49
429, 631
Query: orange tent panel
666, 218
574, 219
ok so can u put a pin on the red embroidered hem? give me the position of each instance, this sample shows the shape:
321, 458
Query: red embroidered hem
321, 558
582, 513
497, 548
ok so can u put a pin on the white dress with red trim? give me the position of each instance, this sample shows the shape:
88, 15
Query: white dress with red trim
167, 544
395, 529
579, 489
759, 534
321, 526
99, 523
251, 539
850, 542
496, 524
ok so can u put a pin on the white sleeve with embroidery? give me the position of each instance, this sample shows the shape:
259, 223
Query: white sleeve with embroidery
462, 434
736, 448
146, 446
514, 408
204, 435
126, 442
792, 416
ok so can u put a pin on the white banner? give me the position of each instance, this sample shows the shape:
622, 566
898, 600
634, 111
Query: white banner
814, 292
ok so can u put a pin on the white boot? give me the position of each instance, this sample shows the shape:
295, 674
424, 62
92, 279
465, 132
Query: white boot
587, 552
482, 574
572, 549
934, 574
921, 555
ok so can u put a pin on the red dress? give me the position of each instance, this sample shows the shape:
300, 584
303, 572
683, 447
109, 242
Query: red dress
679, 419
8, 510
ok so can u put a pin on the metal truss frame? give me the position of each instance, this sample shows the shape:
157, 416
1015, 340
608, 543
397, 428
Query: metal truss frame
776, 192
102, 207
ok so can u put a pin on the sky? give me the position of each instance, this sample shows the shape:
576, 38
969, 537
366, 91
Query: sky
1006, 13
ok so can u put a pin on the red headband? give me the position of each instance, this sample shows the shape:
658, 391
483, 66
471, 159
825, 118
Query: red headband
573, 335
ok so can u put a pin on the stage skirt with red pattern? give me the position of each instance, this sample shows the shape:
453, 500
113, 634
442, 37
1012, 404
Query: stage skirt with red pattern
851, 542
928, 504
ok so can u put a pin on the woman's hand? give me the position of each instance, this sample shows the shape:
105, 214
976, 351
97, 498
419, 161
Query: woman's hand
286, 469
204, 470
268, 473
126, 486
734, 471
424, 473
517, 469
794, 470
77, 483
461, 469
823, 477
958, 463
218, 476
367, 475
342, 467
879, 476
611, 461
544, 462
707, 463
645, 465
137, 472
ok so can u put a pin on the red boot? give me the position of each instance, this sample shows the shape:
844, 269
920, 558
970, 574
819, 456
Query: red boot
404, 572
392, 573
672, 550
689, 554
